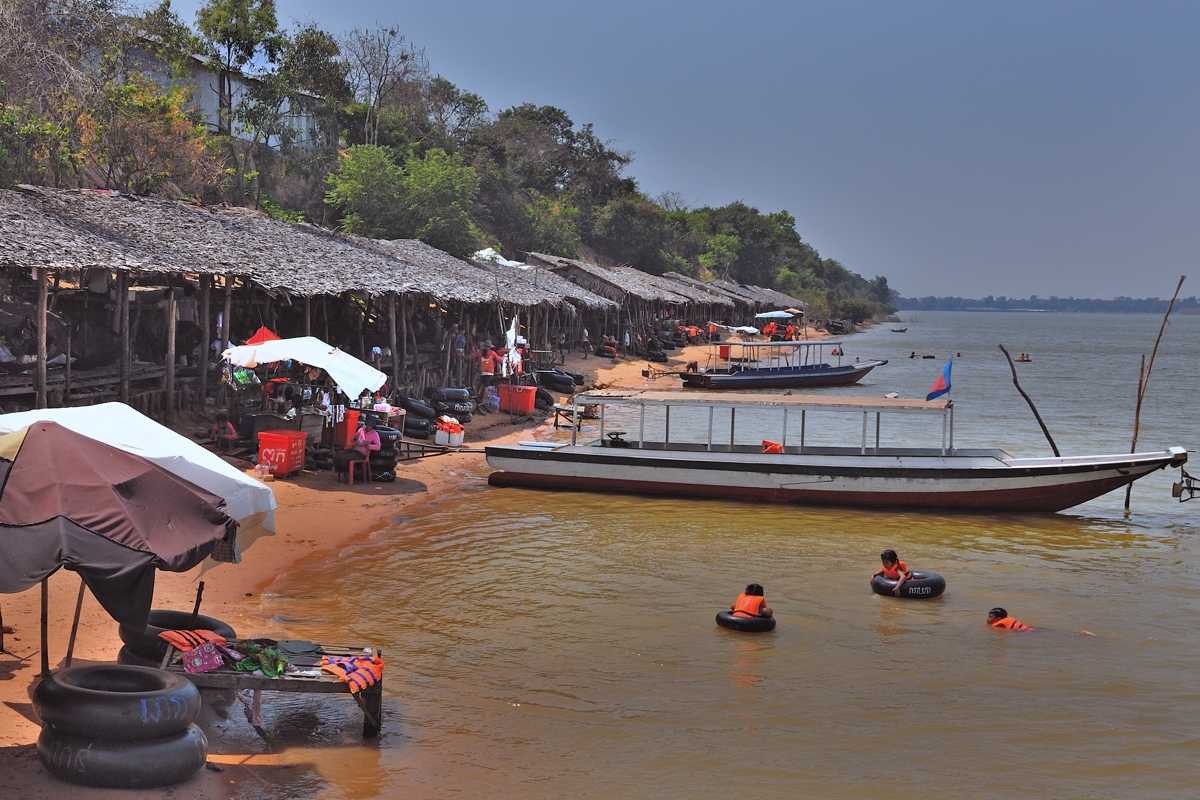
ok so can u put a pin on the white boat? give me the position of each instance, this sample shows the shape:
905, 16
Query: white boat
867, 474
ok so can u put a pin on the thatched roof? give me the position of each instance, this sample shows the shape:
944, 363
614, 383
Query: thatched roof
512, 279
709, 289
616, 284
60, 229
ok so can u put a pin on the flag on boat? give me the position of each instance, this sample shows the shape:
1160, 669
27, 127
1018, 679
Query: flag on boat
942, 385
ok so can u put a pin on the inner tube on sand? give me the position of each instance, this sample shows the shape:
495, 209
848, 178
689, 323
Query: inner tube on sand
147, 642
921, 586
727, 620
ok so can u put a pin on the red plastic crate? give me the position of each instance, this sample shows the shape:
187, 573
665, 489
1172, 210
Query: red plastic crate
282, 451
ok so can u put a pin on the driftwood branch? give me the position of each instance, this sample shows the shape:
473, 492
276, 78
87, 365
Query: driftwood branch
1144, 379
1032, 407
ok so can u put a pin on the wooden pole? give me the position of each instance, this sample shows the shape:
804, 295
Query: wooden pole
1032, 407
84, 329
205, 334
126, 366
75, 623
1143, 380
45, 627
40, 372
67, 372
308, 316
169, 409
227, 315
404, 339
393, 341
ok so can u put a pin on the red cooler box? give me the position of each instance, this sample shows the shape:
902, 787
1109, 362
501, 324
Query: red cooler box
344, 431
517, 398
282, 451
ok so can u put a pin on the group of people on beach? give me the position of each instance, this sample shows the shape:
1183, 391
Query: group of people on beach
753, 603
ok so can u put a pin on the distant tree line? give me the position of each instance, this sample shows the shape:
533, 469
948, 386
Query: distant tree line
1123, 305
96, 94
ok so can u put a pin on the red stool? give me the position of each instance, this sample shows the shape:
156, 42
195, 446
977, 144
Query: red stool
366, 471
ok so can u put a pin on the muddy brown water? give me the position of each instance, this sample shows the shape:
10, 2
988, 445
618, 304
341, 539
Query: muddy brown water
563, 645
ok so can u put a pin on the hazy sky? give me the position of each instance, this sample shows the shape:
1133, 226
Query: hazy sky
959, 148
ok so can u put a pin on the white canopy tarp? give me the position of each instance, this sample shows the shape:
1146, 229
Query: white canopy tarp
352, 376
248, 501
775, 315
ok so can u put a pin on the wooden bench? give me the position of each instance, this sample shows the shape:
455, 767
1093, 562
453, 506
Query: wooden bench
370, 700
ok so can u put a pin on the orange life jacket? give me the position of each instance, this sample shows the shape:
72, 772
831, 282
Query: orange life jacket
748, 605
894, 572
358, 671
186, 640
772, 447
1011, 624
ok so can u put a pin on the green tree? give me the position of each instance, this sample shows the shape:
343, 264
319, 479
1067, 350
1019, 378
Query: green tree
439, 202
233, 33
368, 187
551, 227
720, 254
632, 229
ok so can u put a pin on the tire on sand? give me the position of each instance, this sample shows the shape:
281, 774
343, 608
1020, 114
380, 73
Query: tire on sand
112, 701
123, 763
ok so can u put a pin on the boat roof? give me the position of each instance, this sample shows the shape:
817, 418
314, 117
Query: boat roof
800, 343
725, 399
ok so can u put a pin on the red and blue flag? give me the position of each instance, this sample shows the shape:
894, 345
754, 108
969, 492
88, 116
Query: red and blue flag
942, 385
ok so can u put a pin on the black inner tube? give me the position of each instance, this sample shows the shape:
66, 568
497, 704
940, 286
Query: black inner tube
729, 621
921, 586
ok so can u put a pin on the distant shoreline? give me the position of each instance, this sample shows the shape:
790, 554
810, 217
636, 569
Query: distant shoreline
1035, 304
1185, 311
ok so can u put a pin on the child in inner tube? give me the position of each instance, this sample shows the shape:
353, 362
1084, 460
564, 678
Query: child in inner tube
893, 569
751, 603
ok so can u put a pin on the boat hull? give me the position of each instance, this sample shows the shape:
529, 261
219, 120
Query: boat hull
939, 483
781, 378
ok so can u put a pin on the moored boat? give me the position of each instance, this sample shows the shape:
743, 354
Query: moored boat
775, 365
866, 475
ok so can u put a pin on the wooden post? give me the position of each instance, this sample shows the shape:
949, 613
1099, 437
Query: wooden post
39, 380
404, 336
308, 316
1032, 407
126, 366
75, 623
169, 406
205, 334
84, 329
45, 628
393, 343
227, 314
67, 372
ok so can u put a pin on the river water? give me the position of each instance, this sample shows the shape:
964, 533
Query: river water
563, 645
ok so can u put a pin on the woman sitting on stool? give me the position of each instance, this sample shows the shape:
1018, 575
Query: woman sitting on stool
365, 440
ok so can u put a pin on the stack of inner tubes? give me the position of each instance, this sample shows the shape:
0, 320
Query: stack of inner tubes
606, 351
117, 726
417, 408
729, 621
656, 355
151, 649
545, 400
555, 381
418, 427
451, 401
921, 586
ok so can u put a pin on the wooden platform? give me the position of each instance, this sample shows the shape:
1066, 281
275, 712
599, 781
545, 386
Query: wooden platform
370, 700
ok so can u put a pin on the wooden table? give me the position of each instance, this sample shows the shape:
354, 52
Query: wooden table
370, 700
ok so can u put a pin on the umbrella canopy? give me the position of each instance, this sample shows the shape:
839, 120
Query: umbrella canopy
351, 375
776, 315
263, 334
113, 517
248, 501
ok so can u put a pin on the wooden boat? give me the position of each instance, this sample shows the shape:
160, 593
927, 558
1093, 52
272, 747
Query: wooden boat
775, 365
899, 330
867, 474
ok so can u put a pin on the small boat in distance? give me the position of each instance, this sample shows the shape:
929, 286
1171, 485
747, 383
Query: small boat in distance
1023, 359
899, 330
775, 365
865, 474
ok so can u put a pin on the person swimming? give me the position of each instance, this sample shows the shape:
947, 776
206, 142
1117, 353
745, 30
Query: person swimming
751, 603
999, 618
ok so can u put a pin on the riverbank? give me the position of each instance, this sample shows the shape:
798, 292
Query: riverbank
316, 519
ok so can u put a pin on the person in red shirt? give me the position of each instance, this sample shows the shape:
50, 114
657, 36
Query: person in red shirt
893, 569
751, 603
224, 433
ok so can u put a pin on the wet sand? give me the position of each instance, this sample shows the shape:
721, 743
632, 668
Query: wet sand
317, 517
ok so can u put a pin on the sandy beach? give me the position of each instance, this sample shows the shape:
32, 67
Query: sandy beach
317, 517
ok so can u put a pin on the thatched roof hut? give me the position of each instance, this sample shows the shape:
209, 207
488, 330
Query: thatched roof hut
618, 284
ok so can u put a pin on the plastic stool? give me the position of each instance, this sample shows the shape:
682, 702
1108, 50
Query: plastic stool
366, 471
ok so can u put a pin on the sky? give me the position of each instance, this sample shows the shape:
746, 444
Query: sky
958, 148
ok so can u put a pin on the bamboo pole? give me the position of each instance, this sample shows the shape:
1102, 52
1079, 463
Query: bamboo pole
1143, 380
393, 342
67, 372
123, 317
39, 380
169, 410
404, 338
45, 627
308, 316
75, 623
1032, 407
205, 334
227, 315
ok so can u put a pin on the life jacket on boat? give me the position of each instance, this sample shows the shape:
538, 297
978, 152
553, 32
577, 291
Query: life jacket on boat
357, 671
748, 605
894, 572
1011, 624
772, 447
186, 640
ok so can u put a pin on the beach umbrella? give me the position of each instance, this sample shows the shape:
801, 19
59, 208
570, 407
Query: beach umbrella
351, 375
263, 334
70, 501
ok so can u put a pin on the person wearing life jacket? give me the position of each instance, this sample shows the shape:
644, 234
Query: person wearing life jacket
751, 603
893, 569
999, 618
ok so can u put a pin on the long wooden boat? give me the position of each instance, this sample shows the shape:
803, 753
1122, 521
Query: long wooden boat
866, 475
775, 365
